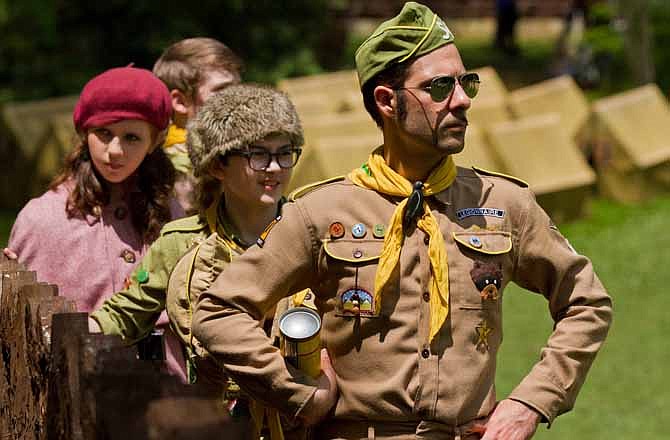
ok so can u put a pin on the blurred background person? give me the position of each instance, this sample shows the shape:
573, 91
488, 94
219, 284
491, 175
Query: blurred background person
507, 15
192, 69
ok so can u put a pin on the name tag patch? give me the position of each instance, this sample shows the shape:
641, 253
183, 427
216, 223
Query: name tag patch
488, 212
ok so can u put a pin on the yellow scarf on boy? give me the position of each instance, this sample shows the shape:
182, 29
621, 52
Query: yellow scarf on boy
384, 179
175, 135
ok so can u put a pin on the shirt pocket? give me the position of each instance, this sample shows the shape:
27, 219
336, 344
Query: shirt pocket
351, 268
478, 314
486, 255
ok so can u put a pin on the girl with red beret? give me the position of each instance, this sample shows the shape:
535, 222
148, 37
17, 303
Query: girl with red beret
88, 231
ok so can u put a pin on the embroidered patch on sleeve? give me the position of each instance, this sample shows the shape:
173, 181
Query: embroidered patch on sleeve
488, 212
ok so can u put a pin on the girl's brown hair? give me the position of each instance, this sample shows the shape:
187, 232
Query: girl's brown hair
149, 207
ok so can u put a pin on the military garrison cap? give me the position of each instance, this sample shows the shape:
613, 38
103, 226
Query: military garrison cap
414, 32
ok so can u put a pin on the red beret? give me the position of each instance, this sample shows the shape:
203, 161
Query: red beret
123, 93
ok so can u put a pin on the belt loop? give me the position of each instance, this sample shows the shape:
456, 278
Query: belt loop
371, 432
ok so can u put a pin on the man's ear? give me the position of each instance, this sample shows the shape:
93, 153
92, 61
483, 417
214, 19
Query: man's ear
180, 102
386, 101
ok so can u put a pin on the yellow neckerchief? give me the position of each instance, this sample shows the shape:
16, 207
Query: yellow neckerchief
383, 179
175, 135
217, 222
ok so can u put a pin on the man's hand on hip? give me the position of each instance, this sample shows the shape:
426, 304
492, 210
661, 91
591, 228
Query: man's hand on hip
325, 396
511, 420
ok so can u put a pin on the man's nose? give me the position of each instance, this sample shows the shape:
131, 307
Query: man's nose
459, 99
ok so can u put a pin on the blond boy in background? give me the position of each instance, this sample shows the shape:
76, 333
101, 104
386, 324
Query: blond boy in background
192, 69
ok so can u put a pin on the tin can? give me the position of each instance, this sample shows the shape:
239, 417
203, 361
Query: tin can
300, 342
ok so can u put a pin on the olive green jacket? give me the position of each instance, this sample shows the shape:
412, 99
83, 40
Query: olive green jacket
132, 312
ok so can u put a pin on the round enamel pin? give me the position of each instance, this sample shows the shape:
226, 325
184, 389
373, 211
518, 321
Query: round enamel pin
358, 230
336, 230
475, 241
379, 231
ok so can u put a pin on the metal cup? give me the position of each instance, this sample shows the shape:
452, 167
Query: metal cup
300, 343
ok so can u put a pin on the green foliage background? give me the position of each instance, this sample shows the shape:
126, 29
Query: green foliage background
51, 48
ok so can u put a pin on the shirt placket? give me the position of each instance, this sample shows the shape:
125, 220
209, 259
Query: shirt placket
428, 362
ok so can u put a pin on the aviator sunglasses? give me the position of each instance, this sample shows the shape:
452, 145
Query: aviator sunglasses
441, 87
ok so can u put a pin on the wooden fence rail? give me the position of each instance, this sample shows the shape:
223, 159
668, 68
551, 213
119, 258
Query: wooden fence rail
57, 381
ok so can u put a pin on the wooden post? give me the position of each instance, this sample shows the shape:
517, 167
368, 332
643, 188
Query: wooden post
99, 389
25, 316
57, 381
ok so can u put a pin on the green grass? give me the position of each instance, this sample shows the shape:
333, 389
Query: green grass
626, 394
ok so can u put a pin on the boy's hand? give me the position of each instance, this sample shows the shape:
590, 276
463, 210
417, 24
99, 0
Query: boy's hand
93, 326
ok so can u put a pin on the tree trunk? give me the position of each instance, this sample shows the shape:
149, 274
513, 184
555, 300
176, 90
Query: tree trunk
638, 39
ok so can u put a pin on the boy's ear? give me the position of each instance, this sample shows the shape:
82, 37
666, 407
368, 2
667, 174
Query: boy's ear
216, 170
180, 102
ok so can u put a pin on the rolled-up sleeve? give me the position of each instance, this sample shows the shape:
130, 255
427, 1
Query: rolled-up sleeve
578, 303
227, 318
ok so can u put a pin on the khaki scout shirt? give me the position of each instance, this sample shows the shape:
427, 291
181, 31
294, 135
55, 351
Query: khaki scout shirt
386, 368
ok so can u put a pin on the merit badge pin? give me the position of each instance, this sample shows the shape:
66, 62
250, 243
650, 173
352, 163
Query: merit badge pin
358, 230
488, 279
264, 235
336, 230
379, 231
483, 332
475, 242
357, 302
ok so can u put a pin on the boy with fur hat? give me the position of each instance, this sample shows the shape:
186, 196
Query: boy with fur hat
243, 145
109, 203
192, 69
408, 258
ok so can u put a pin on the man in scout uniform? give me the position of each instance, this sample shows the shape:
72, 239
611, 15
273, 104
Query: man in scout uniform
243, 163
192, 69
408, 258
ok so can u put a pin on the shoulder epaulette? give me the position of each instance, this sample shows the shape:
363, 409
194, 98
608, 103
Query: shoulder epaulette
522, 183
306, 189
186, 224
